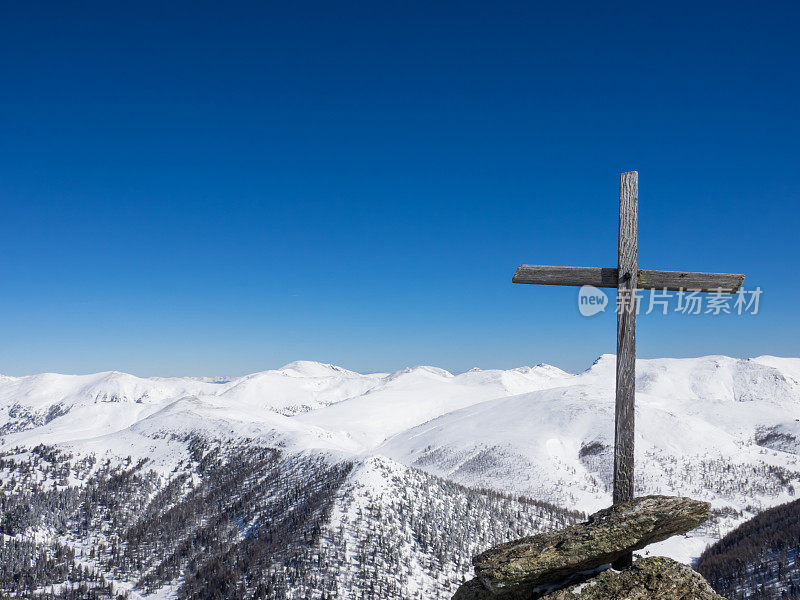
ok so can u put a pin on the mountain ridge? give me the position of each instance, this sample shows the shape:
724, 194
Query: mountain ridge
716, 428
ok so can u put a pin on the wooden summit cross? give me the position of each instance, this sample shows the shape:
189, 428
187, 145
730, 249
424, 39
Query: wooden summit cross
627, 278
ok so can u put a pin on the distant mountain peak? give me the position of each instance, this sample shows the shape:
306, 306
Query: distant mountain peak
425, 370
310, 368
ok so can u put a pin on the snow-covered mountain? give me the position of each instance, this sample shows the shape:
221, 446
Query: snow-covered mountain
556, 443
715, 428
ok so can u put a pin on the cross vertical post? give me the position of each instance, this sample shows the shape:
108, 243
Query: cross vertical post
626, 341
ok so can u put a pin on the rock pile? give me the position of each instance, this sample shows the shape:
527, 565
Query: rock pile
573, 563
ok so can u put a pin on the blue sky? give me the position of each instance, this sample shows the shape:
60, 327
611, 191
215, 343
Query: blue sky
207, 188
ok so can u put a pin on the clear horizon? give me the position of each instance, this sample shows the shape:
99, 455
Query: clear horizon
279, 367
196, 192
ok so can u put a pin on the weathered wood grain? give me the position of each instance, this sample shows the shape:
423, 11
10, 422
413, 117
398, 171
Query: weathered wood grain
646, 279
684, 280
626, 341
547, 275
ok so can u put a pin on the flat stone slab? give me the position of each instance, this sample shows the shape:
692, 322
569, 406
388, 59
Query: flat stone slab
536, 562
653, 578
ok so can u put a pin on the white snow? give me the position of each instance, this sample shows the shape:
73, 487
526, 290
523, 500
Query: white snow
715, 428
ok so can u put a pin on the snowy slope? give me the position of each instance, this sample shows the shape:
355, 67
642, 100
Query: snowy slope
52, 408
421, 531
298, 387
536, 430
332, 407
705, 427
716, 428
413, 396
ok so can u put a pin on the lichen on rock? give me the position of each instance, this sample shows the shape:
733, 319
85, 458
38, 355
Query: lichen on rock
533, 563
654, 578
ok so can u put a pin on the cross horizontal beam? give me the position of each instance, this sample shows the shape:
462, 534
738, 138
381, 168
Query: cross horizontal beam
646, 279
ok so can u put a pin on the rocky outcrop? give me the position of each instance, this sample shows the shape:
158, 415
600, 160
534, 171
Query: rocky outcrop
573, 563
551, 558
647, 579
654, 578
